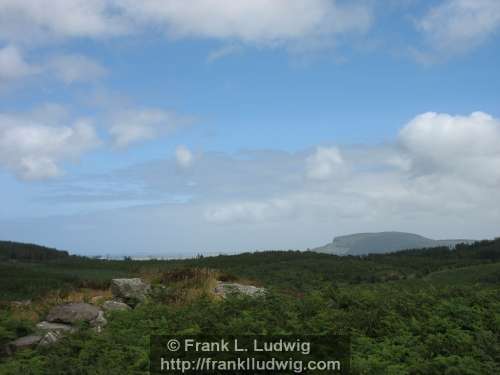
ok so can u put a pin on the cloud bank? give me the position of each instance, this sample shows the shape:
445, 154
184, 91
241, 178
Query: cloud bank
440, 177
253, 21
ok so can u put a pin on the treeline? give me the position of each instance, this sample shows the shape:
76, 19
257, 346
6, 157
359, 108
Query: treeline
479, 250
29, 252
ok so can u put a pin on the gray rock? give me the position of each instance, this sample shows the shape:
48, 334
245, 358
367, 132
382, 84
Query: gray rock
73, 312
99, 322
131, 291
50, 338
54, 327
53, 332
223, 289
23, 342
115, 306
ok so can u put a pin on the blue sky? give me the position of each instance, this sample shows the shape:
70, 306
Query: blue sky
178, 127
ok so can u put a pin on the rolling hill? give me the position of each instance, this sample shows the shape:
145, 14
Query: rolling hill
24, 251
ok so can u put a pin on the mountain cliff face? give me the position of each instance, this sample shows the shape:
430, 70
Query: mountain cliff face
382, 242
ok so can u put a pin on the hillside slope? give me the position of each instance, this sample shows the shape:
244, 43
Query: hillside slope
24, 251
421, 311
382, 242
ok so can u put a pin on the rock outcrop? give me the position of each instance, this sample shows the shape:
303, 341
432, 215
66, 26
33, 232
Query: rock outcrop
72, 313
57, 327
130, 291
61, 319
223, 289
99, 322
47, 334
50, 338
115, 306
53, 332
30, 341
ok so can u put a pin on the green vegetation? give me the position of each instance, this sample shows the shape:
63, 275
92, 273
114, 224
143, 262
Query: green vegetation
483, 273
21, 251
26, 280
429, 311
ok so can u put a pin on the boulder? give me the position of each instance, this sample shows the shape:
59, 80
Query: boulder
54, 327
115, 306
23, 342
131, 291
52, 332
223, 289
72, 313
50, 338
99, 322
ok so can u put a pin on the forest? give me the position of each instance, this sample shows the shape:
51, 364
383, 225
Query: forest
30, 252
421, 311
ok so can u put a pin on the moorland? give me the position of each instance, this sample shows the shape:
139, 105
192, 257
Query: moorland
420, 311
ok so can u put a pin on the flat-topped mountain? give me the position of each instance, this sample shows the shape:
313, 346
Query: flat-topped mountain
382, 242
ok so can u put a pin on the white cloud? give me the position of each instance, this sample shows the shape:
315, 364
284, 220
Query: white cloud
137, 125
451, 26
33, 20
464, 145
13, 65
183, 157
255, 21
70, 68
458, 25
440, 166
437, 135
33, 150
325, 163
270, 210
252, 21
75, 68
50, 113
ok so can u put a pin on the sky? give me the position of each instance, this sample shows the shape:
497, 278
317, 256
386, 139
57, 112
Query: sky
180, 127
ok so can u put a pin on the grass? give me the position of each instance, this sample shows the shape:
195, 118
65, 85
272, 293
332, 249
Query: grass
473, 274
286, 270
20, 281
